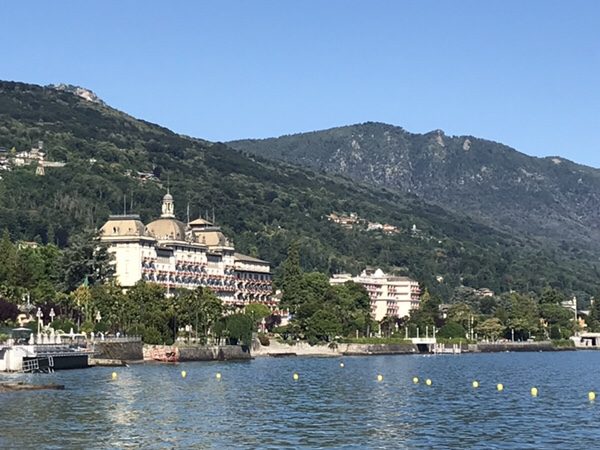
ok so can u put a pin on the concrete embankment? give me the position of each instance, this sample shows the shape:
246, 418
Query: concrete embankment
199, 352
378, 349
125, 351
277, 349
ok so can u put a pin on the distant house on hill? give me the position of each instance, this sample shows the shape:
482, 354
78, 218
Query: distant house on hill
484, 292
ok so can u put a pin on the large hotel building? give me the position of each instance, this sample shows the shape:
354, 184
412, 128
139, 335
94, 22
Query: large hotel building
179, 256
390, 295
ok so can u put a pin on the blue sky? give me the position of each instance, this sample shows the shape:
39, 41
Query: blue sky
525, 73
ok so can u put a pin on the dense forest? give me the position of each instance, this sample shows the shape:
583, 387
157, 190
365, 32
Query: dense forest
262, 205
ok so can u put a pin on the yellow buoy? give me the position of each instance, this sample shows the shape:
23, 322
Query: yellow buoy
534, 392
114, 375
342, 365
591, 396
415, 380
295, 377
475, 384
500, 386
428, 382
379, 377
183, 374
218, 375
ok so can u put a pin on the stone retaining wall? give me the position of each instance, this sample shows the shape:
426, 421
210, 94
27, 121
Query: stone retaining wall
517, 347
214, 353
128, 351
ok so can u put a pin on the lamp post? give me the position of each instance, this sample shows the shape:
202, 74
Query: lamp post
574, 303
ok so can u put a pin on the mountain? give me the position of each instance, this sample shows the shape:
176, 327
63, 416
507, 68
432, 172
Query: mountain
98, 161
551, 198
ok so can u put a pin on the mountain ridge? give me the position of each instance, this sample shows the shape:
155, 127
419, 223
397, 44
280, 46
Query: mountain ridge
450, 171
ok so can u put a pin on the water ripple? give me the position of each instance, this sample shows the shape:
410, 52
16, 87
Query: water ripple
257, 404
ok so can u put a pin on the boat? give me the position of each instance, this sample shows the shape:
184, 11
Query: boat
41, 353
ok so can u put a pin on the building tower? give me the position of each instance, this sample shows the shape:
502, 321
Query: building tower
168, 208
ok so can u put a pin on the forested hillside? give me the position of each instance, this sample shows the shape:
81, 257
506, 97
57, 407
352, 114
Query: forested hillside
263, 205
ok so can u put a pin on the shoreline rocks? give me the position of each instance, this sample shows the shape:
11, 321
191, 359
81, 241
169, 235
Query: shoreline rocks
20, 386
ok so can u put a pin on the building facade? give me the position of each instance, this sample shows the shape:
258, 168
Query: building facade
179, 256
390, 295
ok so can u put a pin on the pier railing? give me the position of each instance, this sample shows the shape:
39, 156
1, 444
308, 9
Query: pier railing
120, 339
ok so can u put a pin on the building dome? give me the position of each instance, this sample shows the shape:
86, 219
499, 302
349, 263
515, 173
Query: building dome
166, 228
167, 196
212, 238
123, 226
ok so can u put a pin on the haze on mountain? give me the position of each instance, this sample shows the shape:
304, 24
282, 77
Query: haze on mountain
551, 199
263, 205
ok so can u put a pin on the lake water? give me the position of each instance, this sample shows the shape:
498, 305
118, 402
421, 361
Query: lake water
257, 404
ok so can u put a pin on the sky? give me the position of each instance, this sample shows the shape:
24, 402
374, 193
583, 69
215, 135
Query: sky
524, 73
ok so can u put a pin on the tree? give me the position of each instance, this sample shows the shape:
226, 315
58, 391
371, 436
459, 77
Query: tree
593, 319
200, 308
323, 325
353, 306
149, 313
109, 301
461, 314
257, 312
523, 317
491, 328
387, 325
452, 330
552, 296
8, 311
487, 305
82, 300
86, 261
558, 317
292, 278
427, 315
239, 329
8, 261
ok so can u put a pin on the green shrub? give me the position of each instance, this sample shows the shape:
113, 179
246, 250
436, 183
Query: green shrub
452, 330
563, 343
555, 332
264, 339
87, 327
151, 335
63, 324
101, 327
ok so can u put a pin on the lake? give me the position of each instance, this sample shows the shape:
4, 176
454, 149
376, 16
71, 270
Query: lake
257, 404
